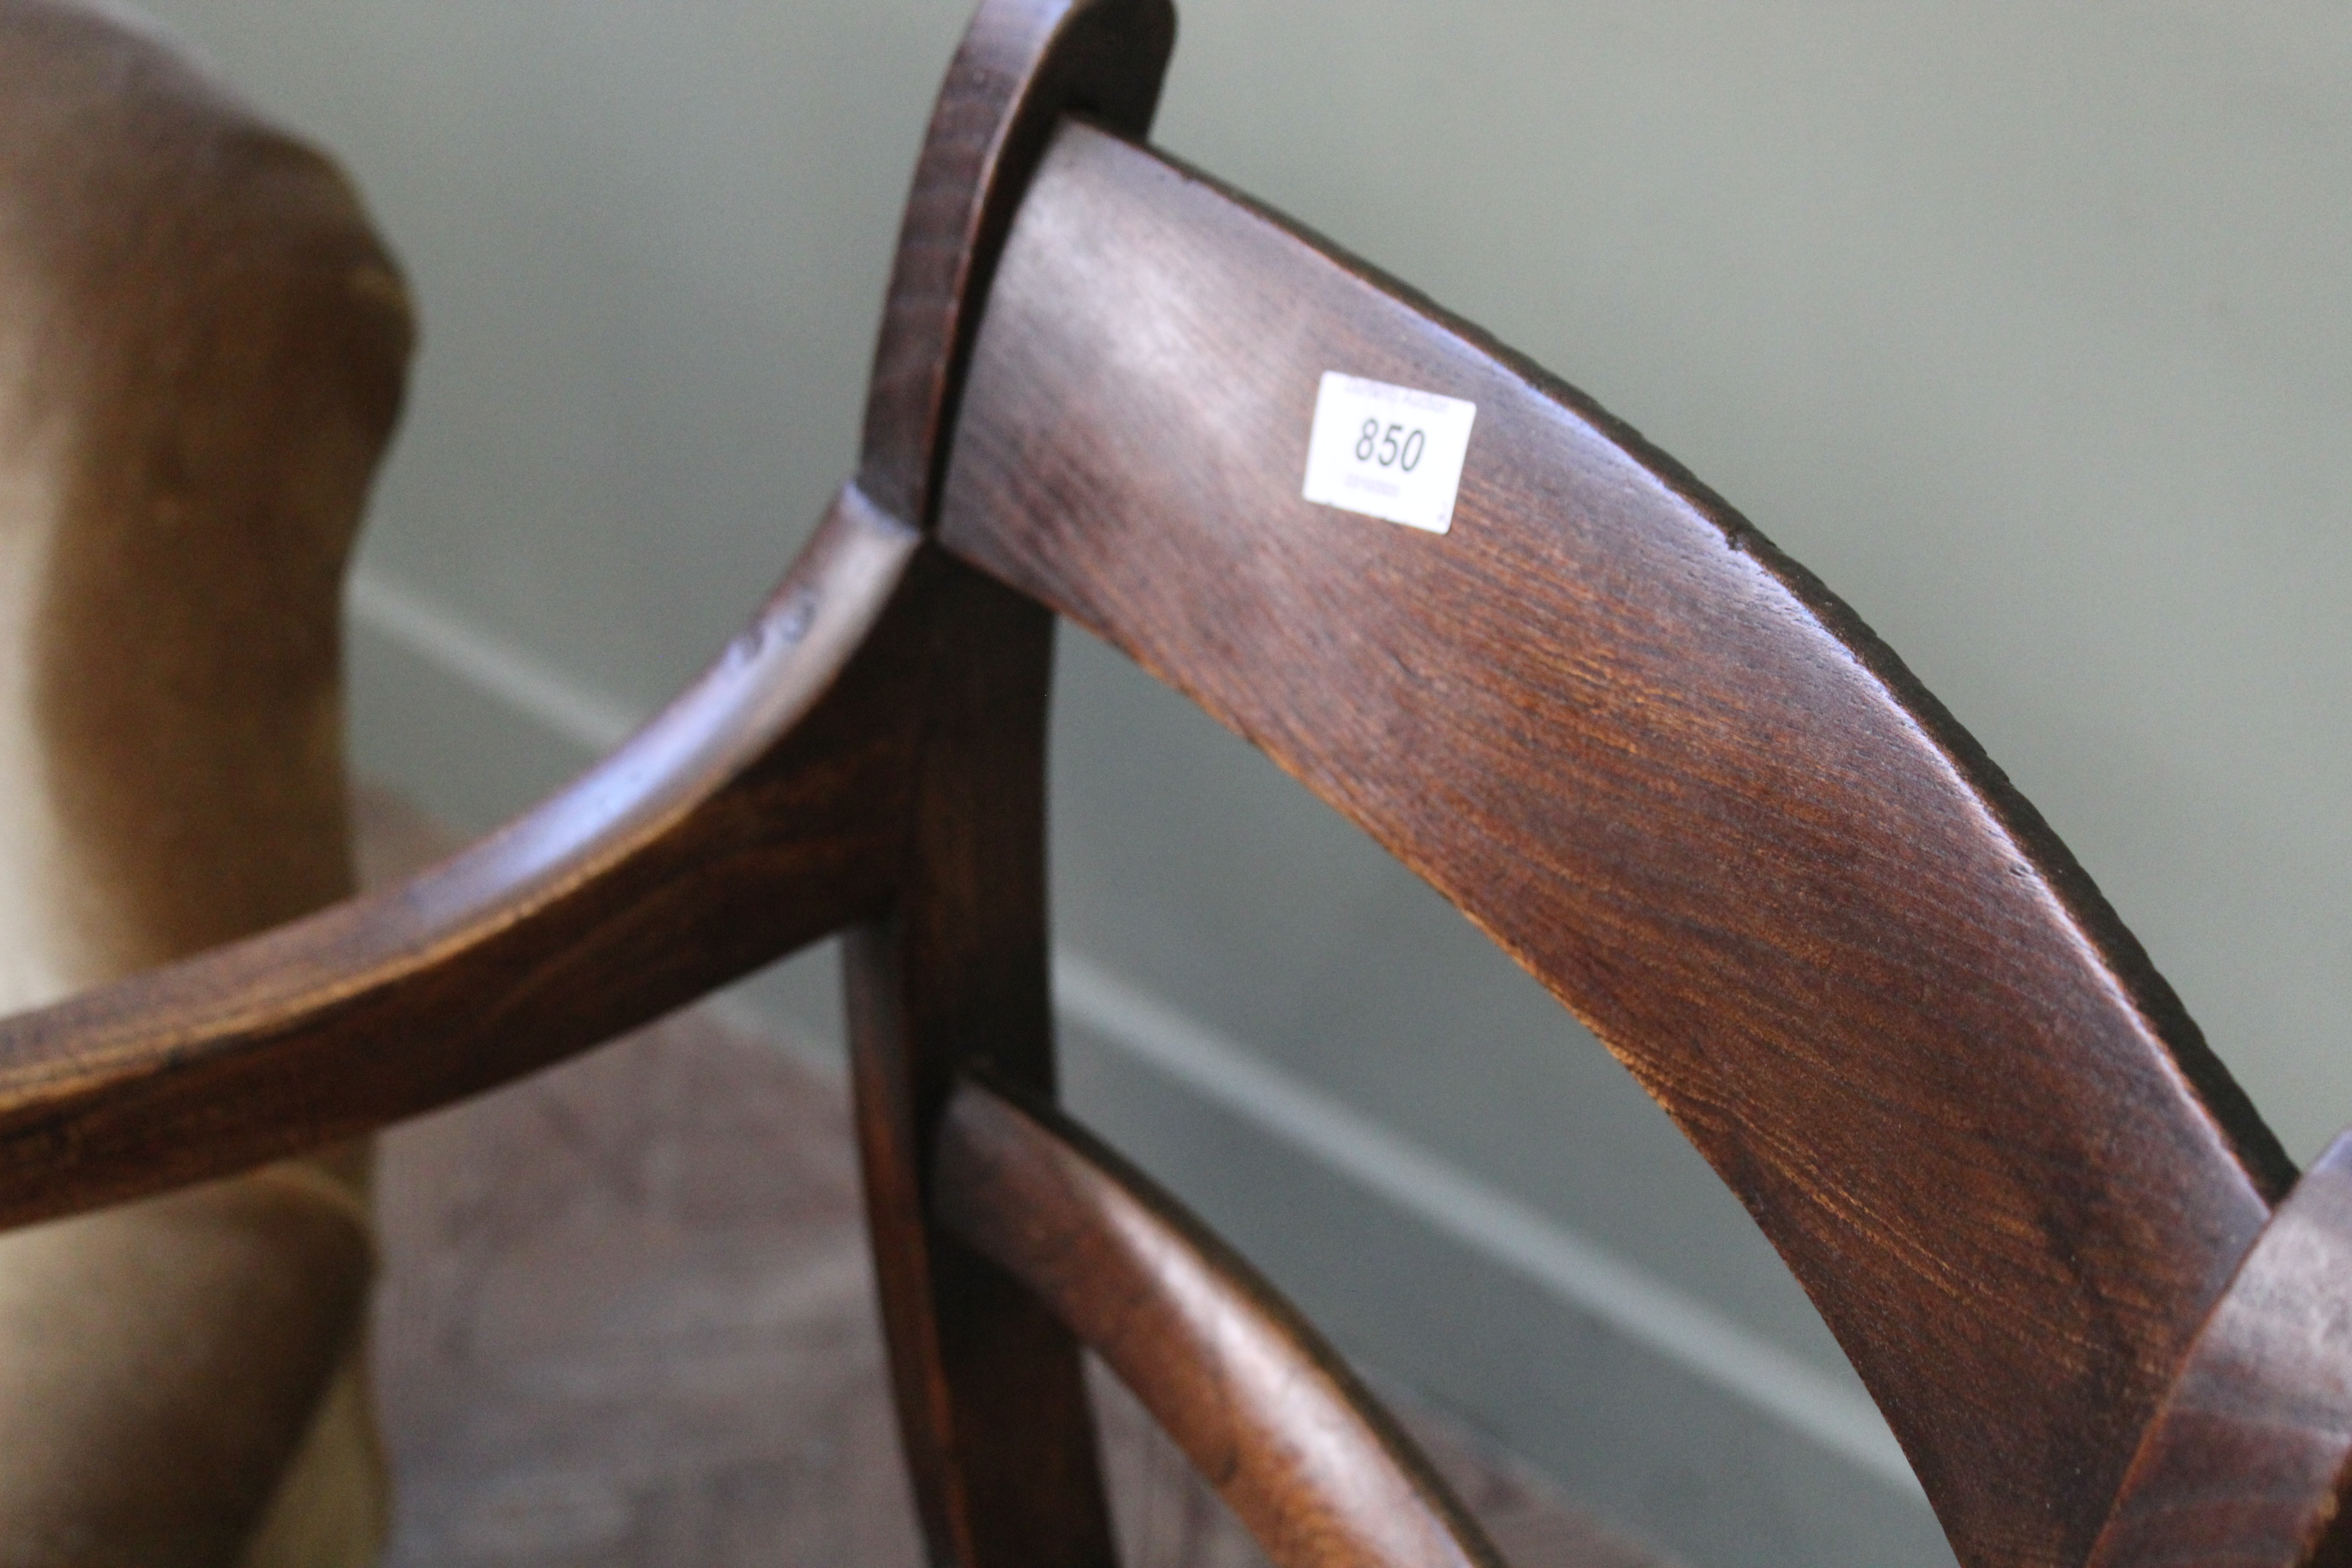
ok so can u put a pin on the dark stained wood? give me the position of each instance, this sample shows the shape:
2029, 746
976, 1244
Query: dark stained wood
1168, 1515
1021, 65
1000, 1437
760, 811
627, 1317
2245, 1465
1322, 1476
1666, 770
1656, 760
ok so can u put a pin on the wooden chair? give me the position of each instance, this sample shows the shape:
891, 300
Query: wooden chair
1655, 759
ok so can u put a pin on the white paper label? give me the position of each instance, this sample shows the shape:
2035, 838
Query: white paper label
1387, 451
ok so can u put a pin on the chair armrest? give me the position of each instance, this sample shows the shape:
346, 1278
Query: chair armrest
750, 817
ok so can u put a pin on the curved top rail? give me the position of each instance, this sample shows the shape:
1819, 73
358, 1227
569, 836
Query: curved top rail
1671, 773
755, 813
1020, 66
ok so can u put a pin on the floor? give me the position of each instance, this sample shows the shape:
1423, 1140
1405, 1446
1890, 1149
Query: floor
626, 1320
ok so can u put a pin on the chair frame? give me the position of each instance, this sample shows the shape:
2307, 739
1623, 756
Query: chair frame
1656, 760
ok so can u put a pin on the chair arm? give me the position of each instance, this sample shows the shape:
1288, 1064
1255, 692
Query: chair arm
750, 817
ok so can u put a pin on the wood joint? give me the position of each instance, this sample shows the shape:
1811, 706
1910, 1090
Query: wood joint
2246, 1460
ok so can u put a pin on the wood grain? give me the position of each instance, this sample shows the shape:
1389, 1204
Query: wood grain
1000, 1438
2245, 1466
628, 1317
1321, 1475
757, 813
1672, 775
1022, 65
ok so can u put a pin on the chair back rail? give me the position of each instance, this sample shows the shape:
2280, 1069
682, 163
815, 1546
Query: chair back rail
1263, 1408
1685, 786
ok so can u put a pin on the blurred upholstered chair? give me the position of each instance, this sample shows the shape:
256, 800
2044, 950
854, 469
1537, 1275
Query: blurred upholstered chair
201, 353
